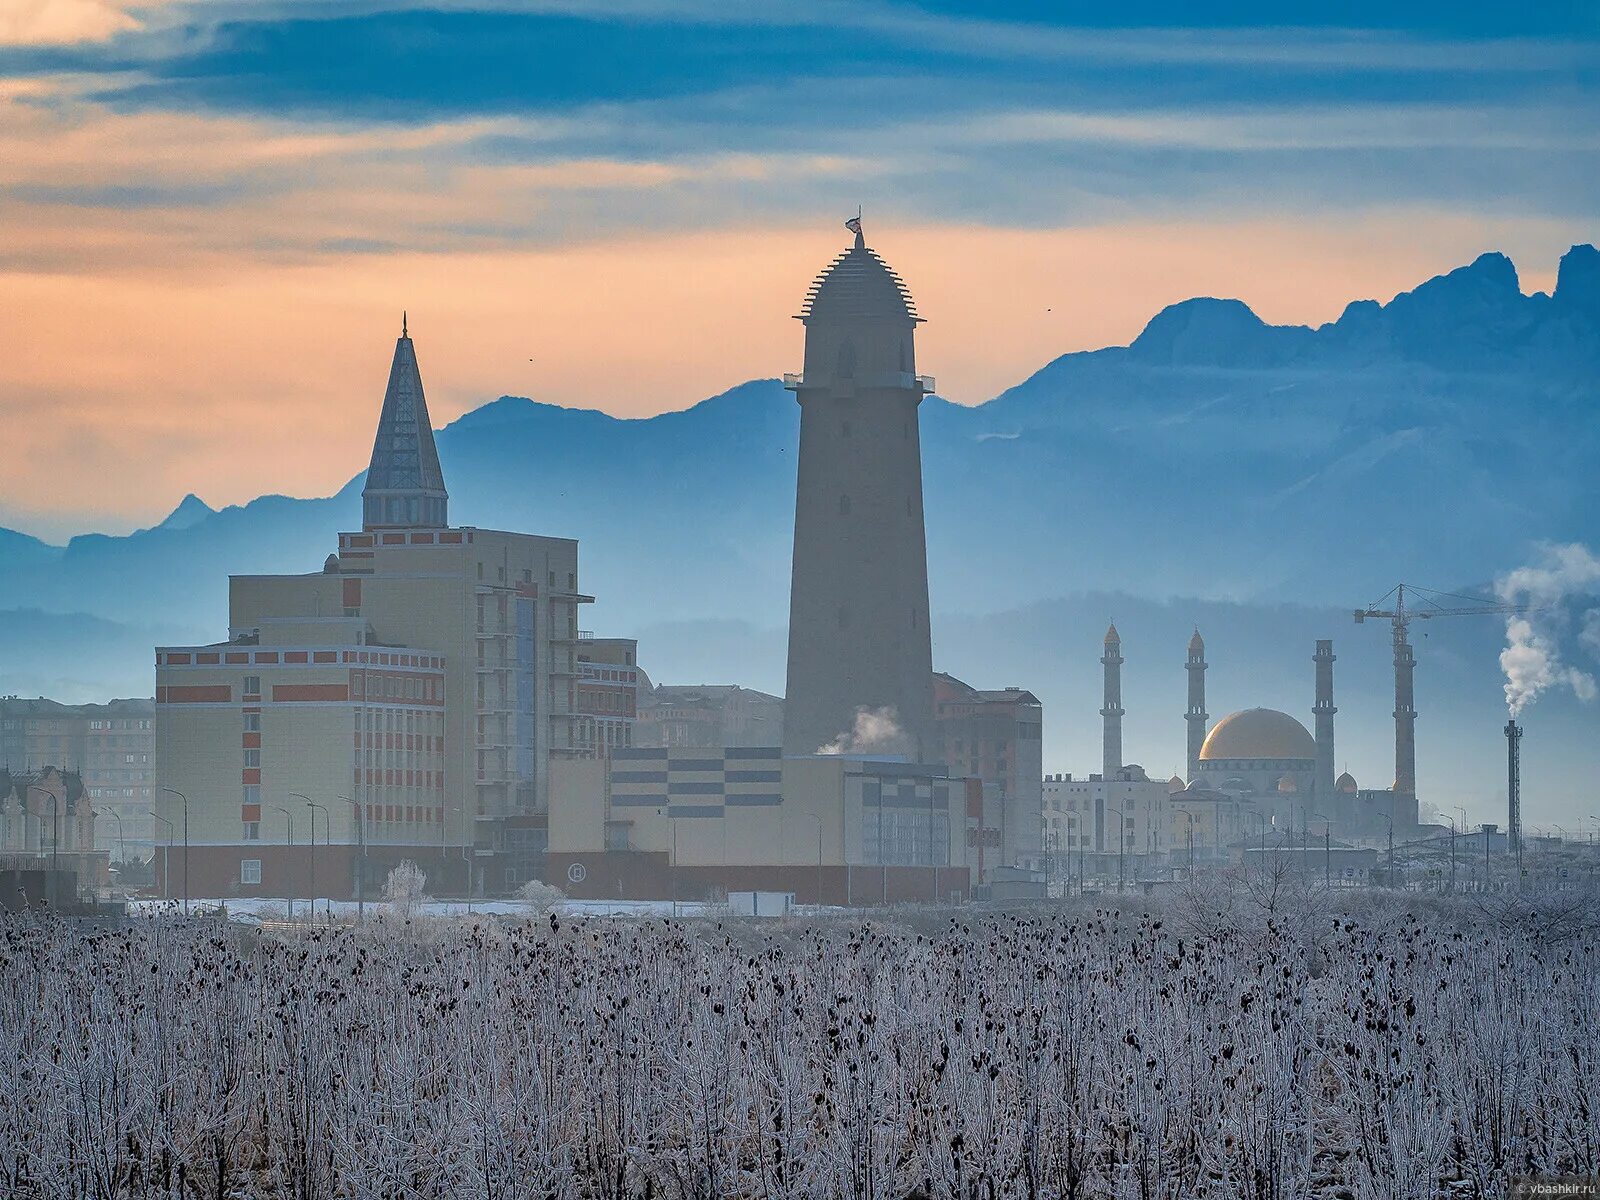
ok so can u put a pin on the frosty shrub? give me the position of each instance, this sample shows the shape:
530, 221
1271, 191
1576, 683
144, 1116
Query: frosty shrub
1070, 1052
405, 889
540, 896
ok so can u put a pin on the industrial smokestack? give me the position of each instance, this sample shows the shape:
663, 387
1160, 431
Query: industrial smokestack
1513, 787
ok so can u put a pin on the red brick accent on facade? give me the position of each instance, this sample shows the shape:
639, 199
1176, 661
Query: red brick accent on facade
288, 692
195, 694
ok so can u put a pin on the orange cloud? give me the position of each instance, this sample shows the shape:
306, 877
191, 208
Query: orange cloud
123, 391
64, 22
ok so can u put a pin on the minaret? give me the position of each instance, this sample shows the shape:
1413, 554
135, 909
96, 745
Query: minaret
405, 486
1112, 712
1322, 711
858, 599
1196, 716
1405, 715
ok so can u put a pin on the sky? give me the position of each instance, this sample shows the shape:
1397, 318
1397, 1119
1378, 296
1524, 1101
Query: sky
213, 213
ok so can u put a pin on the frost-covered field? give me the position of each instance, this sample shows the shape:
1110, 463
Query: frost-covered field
1206, 1049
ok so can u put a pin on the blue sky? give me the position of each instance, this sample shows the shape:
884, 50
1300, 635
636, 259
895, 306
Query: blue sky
231, 176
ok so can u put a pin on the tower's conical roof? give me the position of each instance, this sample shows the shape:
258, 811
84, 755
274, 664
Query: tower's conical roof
858, 285
1113, 638
405, 461
1197, 642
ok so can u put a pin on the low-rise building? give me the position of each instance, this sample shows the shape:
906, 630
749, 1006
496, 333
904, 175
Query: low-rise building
47, 823
692, 823
1107, 828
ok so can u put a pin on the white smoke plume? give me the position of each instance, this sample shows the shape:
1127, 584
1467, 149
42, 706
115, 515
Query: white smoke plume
876, 731
1532, 660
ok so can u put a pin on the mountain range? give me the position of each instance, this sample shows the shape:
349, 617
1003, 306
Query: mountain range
1216, 464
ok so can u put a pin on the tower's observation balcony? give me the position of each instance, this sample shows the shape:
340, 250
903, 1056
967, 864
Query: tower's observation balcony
796, 382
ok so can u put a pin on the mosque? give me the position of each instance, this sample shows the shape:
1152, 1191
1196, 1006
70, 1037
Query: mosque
1261, 757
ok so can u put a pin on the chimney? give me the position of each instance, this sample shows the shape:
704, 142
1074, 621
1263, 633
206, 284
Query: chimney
1514, 788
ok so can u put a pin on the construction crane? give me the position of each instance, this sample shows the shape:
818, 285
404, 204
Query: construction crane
1400, 617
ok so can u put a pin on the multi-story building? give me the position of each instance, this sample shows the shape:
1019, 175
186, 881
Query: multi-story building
109, 747
997, 736
119, 773
1107, 828
249, 729
607, 696
486, 623
708, 714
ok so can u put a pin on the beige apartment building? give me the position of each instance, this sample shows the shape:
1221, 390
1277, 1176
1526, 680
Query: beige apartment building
469, 634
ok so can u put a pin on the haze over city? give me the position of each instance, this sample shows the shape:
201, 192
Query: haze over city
807, 600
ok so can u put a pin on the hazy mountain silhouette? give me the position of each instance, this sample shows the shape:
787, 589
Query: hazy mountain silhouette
1431, 439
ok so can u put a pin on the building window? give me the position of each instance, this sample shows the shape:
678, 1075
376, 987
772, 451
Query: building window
844, 506
250, 870
252, 793
252, 685
252, 831
252, 758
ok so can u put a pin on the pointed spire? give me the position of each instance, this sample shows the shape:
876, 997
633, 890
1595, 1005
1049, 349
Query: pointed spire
405, 485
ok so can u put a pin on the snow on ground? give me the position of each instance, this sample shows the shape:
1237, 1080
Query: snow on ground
256, 909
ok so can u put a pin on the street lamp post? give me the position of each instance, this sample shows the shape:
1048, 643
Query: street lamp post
361, 859
288, 871
1122, 843
1189, 831
1327, 850
122, 846
327, 836
166, 852
185, 800
55, 840
1262, 818
1452, 821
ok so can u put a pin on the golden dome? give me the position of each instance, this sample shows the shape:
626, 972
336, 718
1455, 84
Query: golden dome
1258, 733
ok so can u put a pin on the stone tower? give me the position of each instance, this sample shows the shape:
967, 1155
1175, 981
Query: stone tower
1112, 712
1196, 716
1322, 711
858, 599
405, 486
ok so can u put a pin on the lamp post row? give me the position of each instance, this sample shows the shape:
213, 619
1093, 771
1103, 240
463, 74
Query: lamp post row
361, 833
